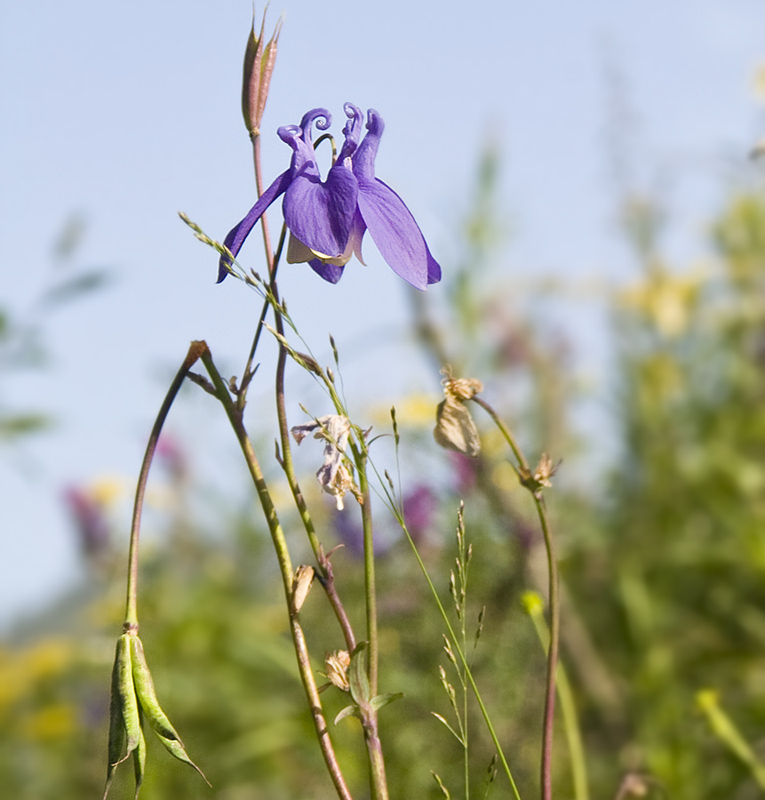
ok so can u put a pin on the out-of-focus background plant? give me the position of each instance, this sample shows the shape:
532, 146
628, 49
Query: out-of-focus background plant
662, 559
659, 524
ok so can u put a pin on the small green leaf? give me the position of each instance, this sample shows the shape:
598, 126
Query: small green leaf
357, 675
383, 700
348, 711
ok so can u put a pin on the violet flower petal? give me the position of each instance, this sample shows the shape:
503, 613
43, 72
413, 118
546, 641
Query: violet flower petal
330, 272
391, 225
396, 234
236, 236
321, 214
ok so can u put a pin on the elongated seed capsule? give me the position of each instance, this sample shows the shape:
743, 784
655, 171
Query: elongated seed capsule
139, 762
176, 749
116, 724
128, 700
147, 696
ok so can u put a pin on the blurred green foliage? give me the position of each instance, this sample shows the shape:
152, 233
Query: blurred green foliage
662, 557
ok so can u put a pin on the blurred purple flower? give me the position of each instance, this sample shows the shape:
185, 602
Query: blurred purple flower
327, 219
465, 472
419, 509
173, 457
90, 522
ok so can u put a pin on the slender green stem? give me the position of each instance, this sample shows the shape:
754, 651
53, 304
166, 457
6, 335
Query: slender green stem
552, 652
378, 780
285, 566
554, 601
506, 432
131, 613
567, 705
369, 572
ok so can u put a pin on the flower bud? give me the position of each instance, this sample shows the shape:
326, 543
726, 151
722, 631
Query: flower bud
259, 61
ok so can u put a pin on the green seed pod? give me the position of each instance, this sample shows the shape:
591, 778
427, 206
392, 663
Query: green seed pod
147, 697
116, 724
130, 712
125, 719
139, 762
176, 749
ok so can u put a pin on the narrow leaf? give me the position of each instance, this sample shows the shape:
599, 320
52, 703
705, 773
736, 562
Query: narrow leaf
383, 700
357, 675
348, 711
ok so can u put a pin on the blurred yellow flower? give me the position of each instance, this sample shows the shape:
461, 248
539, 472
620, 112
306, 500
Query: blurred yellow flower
53, 722
22, 670
667, 300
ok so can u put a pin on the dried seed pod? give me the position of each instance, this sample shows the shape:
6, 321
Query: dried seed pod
301, 584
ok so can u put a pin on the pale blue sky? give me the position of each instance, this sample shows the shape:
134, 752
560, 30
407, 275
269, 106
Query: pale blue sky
128, 113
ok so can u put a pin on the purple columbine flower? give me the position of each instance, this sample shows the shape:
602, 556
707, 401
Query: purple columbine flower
327, 219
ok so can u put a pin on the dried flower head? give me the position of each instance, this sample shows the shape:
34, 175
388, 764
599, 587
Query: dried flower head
334, 474
540, 478
545, 470
337, 664
455, 429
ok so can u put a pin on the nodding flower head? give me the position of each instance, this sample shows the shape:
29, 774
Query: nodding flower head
327, 219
